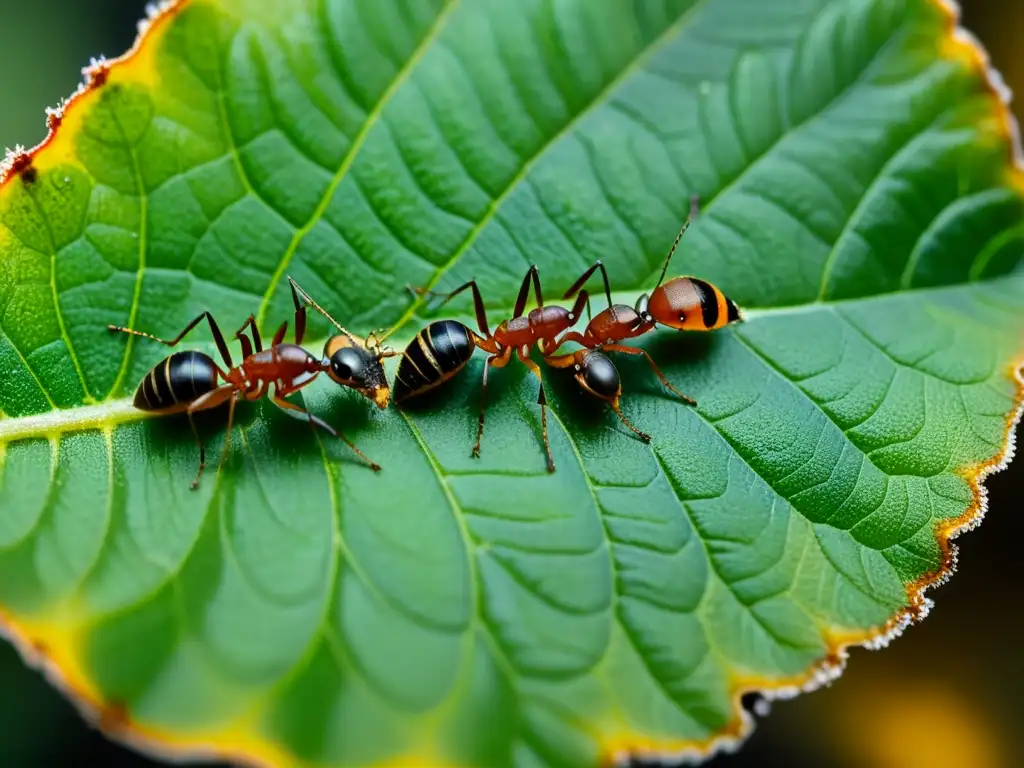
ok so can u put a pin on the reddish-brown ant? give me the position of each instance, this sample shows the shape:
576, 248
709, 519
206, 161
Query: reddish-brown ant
441, 349
683, 303
188, 381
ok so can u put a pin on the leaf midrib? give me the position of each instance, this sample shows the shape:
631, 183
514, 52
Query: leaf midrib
113, 412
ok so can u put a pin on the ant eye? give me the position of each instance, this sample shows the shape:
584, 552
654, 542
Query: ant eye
348, 364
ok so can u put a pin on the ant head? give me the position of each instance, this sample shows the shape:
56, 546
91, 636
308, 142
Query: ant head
352, 363
596, 374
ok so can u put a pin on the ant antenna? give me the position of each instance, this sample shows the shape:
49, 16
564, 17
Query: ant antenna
375, 343
308, 299
672, 250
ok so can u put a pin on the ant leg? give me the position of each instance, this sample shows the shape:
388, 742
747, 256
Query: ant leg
577, 308
499, 360
300, 312
524, 291
561, 361
586, 276
542, 401
218, 337
478, 302
243, 340
279, 336
299, 412
657, 370
256, 340
694, 205
642, 435
569, 336
202, 451
210, 400
256, 391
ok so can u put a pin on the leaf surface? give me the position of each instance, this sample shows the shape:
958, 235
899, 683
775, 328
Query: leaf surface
859, 201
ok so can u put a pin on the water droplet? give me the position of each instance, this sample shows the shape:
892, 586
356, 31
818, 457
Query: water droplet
705, 87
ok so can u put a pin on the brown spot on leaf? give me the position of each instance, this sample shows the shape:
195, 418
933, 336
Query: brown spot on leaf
53, 120
22, 167
40, 647
114, 717
97, 75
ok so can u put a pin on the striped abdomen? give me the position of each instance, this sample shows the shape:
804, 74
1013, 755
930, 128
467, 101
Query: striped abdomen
176, 380
437, 353
691, 304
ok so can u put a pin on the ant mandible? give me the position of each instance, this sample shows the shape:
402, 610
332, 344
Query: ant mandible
683, 303
189, 381
444, 347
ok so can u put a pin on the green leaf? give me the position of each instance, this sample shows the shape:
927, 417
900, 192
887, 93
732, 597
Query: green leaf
859, 200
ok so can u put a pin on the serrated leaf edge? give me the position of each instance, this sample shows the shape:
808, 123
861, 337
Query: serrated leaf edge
51, 650
18, 159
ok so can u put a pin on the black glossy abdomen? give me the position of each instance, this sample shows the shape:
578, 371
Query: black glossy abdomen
601, 375
175, 380
437, 353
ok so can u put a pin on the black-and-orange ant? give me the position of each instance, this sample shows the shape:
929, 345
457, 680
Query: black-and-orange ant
444, 347
189, 381
683, 303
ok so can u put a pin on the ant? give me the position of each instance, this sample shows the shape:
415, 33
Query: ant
596, 374
683, 303
188, 381
444, 347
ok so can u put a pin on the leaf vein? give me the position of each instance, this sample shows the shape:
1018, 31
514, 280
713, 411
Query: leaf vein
357, 144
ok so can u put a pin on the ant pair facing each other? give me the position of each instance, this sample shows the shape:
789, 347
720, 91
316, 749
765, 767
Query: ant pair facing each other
191, 381
443, 348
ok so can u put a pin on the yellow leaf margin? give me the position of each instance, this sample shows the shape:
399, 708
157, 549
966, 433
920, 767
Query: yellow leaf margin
50, 648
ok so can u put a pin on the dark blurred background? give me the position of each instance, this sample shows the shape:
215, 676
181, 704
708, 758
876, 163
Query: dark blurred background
950, 692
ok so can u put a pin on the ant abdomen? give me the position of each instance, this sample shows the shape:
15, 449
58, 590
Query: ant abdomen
691, 304
599, 375
178, 379
438, 352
